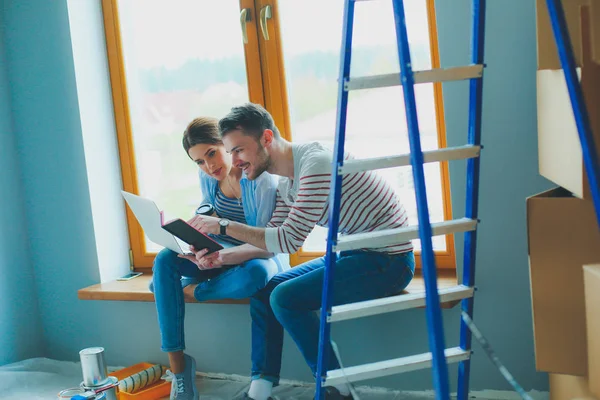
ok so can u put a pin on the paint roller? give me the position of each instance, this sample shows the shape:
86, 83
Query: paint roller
140, 380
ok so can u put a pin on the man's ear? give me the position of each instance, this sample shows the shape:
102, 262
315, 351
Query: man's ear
267, 138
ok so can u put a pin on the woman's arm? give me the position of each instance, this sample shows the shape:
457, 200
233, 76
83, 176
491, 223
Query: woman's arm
265, 194
239, 254
230, 256
207, 186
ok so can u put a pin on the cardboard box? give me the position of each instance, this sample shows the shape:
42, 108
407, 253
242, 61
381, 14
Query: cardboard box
560, 156
563, 236
591, 279
566, 387
546, 44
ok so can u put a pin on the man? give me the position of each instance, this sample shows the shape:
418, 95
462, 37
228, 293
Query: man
289, 300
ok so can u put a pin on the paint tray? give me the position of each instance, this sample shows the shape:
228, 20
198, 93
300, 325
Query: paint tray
155, 391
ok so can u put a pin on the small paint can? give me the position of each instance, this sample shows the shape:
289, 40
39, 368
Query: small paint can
93, 366
108, 388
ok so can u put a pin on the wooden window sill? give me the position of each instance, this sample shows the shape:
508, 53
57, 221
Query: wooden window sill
137, 290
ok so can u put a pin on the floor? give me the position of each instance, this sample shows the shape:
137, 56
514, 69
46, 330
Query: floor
227, 387
42, 379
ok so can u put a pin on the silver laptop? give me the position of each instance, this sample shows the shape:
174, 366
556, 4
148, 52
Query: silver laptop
150, 218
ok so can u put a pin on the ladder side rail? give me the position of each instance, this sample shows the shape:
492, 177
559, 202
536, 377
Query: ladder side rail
434, 315
567, 61
334, 198
472, 197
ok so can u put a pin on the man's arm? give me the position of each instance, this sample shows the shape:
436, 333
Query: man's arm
248, 234
287, 234
289, 225
245, 233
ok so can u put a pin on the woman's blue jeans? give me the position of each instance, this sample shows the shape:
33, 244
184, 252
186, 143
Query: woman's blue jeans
236, 282
291, 298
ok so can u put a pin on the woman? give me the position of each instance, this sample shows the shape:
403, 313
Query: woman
236, 272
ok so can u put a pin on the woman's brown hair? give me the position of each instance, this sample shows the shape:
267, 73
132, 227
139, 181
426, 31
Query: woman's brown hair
202, 130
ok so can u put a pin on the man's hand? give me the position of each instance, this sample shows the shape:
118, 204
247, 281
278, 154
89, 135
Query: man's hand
242, 232
202, 260
206, 224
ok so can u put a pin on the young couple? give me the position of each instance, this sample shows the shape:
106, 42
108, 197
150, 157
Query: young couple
266, 217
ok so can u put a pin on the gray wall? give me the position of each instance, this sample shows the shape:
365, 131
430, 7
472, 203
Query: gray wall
60, 225
20, 330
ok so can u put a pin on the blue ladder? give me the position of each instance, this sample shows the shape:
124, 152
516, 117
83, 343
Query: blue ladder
439, 355
582, 121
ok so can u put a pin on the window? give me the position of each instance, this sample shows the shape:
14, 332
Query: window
171, 62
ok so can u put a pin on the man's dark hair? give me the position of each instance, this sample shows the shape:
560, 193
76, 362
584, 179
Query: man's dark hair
252, 119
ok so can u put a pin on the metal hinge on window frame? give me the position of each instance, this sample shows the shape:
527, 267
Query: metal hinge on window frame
130, 260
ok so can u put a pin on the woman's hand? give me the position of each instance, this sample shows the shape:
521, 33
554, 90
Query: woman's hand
205, 224
202, 260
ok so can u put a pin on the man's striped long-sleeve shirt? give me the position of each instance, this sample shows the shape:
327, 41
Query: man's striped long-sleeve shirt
368, 203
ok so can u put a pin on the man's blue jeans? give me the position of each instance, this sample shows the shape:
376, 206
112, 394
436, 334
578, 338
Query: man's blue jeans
237, 282
291, 298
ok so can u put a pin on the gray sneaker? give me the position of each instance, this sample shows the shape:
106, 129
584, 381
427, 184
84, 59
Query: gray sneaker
183, 385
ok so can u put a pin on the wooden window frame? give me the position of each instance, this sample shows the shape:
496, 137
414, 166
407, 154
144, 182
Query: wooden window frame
141, 259
270, 90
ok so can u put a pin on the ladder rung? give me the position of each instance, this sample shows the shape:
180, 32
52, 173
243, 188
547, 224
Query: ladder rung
445, 154
395, 303
391, 367
392, 236
427, 76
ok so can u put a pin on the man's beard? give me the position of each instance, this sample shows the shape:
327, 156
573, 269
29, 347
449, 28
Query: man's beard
263, 165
